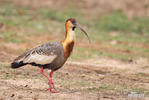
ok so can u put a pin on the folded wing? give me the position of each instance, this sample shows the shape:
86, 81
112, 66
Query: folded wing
41, 55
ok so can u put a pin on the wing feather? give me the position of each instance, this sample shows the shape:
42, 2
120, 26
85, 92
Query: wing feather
39, 59
43, 54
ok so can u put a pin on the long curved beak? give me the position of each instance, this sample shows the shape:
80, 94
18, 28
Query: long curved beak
78, 26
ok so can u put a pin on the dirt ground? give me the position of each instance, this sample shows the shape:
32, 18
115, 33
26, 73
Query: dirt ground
103, 79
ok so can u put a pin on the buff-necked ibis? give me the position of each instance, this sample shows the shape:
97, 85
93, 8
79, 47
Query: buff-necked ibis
51, 55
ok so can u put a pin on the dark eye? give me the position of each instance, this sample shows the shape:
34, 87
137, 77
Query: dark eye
73, 28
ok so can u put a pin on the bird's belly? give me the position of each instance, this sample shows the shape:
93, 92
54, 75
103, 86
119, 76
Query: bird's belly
57, 63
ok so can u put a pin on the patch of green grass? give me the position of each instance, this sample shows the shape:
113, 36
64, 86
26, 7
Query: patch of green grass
109, 87
118, 21
139, 91
7, 10
141, 24
11, 37
139, 50
130, 38
142, 75
5, 65
124, 90
83, 53
37, 25
83, 83
115, 55
60, 16
9, 14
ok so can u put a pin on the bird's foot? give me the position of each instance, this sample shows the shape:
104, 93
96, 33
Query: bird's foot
51, 90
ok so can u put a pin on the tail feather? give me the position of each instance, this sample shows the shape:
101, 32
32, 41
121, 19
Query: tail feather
17, 64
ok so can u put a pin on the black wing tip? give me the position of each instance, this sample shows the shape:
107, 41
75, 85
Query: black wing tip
17, 64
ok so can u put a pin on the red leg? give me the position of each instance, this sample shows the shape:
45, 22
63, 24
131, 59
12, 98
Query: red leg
51, 81
41, 71
51, 85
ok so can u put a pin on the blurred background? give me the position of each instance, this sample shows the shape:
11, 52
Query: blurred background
119, 32
118, 29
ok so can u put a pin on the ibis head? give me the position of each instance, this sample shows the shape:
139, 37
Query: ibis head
71, 23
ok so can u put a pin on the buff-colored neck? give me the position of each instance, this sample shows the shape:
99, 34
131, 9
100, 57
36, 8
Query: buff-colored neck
69, 36
69, 40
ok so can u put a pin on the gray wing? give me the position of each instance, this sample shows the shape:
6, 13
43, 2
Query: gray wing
43, 54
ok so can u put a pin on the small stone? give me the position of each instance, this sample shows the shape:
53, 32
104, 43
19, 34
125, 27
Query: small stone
12, 95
